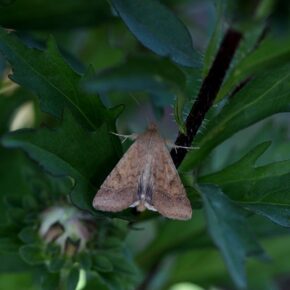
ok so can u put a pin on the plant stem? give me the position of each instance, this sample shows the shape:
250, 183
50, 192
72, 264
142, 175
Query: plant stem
207, 94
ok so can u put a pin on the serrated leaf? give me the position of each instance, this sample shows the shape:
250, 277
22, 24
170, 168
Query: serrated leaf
269, 53
36, 70
70, 151
167, 37
32, 254
263, 190
229, 231
267, 94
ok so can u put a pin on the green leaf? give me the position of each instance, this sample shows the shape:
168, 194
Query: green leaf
28, 235
263, 190
94, 283
270, 53
264, 96
125, 273
138, 74
85, 260
102, 263
160, 78
56, 264
166, 37
215, 38
70, 151
229, 231
36, 70
73, 278
32, 254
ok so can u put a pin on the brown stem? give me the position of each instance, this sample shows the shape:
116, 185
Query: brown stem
207, 93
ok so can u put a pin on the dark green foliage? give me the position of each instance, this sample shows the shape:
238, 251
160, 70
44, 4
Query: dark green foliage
228, 228
260, 189
265, 95
158, 29
148, 68
36, 70
50, 149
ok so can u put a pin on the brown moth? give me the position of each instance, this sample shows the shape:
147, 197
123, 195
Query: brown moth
145, 177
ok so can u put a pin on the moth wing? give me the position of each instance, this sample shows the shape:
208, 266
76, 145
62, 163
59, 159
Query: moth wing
168, 194
114, 200
119, 189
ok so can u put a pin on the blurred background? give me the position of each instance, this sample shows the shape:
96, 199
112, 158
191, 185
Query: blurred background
89, 33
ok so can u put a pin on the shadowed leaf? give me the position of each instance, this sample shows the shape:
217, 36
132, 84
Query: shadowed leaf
158, 29
229, 231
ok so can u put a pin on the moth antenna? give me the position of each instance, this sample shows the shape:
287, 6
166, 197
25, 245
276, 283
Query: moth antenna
135, 99
125, 137
172, 145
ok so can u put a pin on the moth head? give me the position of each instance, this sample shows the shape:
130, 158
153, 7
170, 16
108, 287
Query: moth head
152, 127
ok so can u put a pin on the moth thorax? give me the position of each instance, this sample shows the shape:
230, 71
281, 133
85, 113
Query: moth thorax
152, 127
141, 206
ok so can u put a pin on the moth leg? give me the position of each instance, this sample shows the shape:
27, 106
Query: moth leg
173, 146
132, 137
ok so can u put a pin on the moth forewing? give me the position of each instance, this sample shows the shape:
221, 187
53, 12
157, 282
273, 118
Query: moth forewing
145, 177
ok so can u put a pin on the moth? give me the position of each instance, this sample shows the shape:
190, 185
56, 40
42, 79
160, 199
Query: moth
146, 178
